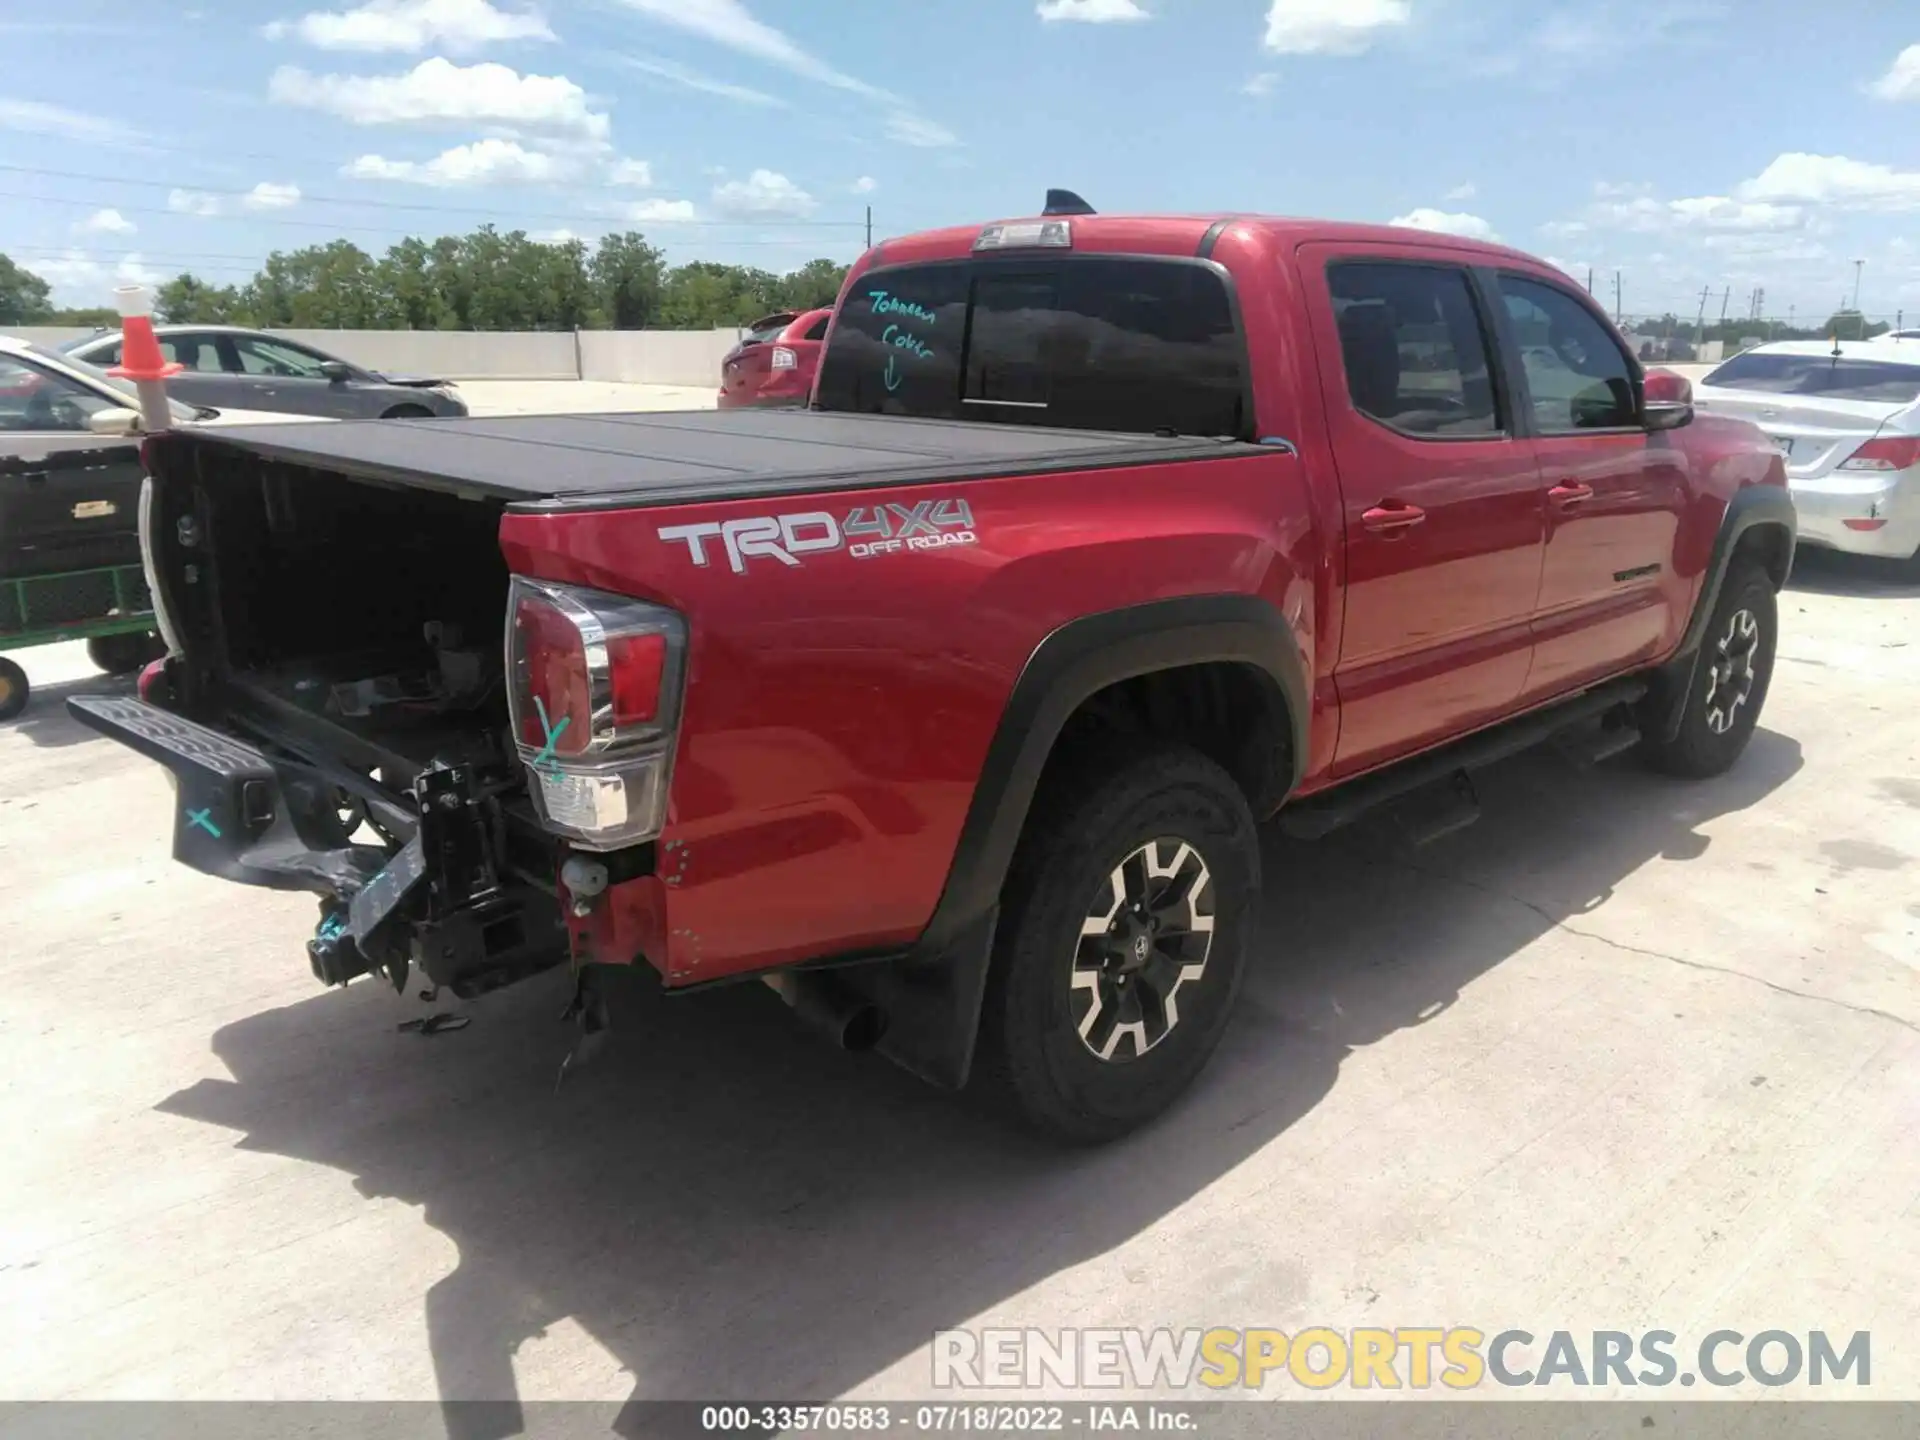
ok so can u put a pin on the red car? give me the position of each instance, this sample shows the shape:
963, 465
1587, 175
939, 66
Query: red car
775, 363
948, 706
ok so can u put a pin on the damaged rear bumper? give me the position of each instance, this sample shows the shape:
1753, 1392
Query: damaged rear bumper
444, 900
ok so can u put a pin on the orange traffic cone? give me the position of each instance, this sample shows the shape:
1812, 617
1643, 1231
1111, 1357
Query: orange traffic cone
140, 357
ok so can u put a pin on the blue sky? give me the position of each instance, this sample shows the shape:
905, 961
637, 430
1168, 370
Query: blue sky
1686, 143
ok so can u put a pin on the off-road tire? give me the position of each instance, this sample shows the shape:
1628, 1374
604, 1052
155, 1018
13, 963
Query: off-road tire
1032, 1061
1730, 679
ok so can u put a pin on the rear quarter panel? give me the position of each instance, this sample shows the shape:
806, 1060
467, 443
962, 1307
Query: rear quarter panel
838, 711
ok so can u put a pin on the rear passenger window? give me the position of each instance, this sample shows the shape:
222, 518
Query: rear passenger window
1415, 352
1087, 342
1578, 378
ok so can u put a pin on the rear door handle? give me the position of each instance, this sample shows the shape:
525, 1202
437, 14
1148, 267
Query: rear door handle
1391, 515
1570, 492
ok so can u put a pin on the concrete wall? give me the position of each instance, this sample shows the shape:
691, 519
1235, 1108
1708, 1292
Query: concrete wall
654, 357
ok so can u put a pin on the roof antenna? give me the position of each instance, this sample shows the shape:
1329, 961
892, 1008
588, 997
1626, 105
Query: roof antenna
1065, 202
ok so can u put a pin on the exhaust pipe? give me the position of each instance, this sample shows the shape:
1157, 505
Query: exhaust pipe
831, 1006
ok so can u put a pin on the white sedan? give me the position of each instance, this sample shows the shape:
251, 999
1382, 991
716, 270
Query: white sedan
1846, 415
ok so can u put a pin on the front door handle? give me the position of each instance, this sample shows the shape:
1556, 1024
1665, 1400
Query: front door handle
1569, 493
1390, 516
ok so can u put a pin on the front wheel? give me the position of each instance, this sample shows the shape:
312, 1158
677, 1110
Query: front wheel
1120, 946
1730, 679
13, 689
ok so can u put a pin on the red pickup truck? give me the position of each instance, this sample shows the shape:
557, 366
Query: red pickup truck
948, 705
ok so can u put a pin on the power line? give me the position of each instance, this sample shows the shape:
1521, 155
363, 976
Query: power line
306, 199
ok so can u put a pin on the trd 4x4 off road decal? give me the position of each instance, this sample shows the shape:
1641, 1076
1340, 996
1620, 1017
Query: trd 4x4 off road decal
867, 530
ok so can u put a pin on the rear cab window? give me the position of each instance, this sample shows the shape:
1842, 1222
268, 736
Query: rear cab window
1890, 382
1093, 342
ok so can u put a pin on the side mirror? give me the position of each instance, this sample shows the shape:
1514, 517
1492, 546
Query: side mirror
114, 421
337, 372
1667, 401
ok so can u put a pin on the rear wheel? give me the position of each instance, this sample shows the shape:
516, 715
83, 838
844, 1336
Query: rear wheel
123, 654
1120, 947
13, 689
1730, 679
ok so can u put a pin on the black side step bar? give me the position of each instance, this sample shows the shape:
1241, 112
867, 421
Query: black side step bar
1322, 814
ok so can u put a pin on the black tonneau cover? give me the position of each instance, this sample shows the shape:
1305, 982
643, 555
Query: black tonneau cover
658, 458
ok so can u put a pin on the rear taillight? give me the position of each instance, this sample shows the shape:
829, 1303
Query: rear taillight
1892, 452
783, 358
593, 690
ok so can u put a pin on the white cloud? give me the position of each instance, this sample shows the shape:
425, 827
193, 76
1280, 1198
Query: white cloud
193, 202
637, 173
87, 278
36, 117
1471, 227
762, 195
1834, 180
460, 26
643, 211
560, 236
438, 90
730, 24
1091, 12
484, 162
268, 195
1717, 212
690, 79
1462, 192
865, 185
917, 130
1261, 84
1331, 27
1902, 80
105, 222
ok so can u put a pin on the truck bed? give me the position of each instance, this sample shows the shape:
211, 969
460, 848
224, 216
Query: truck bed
660, 458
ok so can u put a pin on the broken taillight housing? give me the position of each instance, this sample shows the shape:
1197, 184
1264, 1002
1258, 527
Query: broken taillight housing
593, 692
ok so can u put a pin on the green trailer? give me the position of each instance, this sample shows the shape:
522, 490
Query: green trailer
109, 608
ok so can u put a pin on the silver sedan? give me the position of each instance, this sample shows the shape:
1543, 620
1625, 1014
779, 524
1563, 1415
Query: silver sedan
225, 365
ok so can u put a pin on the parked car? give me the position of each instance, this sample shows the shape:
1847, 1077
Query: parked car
1846, 416
947, 706
69, 504
226, 365
774, 362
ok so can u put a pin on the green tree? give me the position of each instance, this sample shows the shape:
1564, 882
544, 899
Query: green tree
815, 284
628, 278
1850, 324
23, 295
327, 287
188, 300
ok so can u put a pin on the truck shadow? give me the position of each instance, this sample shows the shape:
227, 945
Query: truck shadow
735, 1211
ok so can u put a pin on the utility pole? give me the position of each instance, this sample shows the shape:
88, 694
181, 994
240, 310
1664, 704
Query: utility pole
1858, 266
1725, 296
1616, 298
1589, 279
869, 227
1700, 325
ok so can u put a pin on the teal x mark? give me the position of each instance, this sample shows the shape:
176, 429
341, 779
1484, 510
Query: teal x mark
203, 819
553, 734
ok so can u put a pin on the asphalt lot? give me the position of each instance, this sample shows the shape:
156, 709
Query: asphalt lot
1630, 1053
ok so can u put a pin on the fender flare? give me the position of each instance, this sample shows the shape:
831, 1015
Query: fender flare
1070, 665
1753, 509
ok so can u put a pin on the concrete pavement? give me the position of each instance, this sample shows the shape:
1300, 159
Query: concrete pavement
1630, 1053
